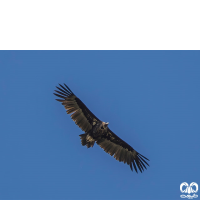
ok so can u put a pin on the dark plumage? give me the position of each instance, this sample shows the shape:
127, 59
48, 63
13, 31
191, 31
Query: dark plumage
98, 131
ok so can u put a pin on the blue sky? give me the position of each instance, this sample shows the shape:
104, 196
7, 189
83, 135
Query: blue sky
150, 99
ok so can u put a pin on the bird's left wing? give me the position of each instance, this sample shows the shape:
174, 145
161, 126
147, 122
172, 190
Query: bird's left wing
122, 151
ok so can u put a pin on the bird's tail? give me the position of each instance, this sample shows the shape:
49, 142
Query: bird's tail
87, 140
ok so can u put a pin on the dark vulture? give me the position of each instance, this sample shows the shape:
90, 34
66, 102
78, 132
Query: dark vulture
98, 131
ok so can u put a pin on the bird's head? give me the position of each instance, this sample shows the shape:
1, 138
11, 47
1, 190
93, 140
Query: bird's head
106, 124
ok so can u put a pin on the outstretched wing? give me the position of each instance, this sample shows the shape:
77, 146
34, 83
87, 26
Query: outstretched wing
81, 115
122, 151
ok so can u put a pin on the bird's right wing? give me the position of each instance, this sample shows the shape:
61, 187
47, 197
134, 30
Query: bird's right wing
81, 115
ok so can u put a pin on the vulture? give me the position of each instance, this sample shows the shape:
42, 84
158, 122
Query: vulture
97, 131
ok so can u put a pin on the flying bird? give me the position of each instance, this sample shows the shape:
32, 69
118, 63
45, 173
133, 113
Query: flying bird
98, 131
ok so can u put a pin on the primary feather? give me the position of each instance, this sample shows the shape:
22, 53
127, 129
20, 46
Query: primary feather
98, 131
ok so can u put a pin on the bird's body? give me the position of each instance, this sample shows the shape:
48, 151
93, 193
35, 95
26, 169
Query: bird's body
98, 131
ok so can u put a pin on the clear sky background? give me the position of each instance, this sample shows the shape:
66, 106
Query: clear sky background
151, 99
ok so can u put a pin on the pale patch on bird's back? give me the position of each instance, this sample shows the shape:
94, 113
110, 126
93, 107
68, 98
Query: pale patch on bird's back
99, 128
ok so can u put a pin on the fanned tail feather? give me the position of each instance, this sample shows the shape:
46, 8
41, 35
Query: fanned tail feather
87, 140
